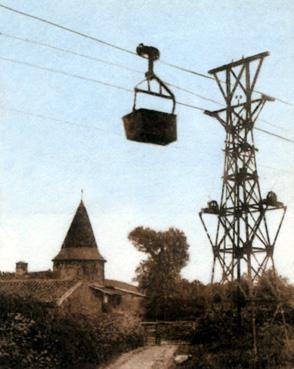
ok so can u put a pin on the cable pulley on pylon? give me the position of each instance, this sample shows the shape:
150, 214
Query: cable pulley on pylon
146, 125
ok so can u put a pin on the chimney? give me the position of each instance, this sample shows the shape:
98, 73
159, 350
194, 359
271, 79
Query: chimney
21, 268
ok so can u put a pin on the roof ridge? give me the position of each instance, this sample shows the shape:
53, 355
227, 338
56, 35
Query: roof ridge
31, 280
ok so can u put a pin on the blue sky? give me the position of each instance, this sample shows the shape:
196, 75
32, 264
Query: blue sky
44, 164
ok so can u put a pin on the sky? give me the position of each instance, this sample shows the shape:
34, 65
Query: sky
45, 163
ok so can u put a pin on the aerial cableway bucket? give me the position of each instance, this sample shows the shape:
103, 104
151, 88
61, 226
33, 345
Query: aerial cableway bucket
146, 125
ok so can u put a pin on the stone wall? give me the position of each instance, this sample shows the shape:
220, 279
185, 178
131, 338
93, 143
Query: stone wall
130, 303
83, 301
86, 269
88, 301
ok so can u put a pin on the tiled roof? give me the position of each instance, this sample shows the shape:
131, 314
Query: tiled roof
114, 290
47, 274
7, 275
79, 243
105, 290
47, 290
120, 284
122, 287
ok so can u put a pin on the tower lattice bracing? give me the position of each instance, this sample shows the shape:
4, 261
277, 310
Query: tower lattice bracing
243, 239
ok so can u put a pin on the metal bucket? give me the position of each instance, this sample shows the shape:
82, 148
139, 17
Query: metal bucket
150, 126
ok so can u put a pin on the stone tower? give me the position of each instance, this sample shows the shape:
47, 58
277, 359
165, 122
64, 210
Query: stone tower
79, 256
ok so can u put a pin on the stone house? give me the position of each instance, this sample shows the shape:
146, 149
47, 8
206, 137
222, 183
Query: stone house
77, 283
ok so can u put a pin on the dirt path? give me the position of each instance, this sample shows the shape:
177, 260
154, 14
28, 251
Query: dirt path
148, 357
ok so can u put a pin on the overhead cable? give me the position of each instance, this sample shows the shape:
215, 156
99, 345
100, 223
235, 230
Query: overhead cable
83, 125
56, 120
118, 65
67, 29
109, 44
274, 134
57, 71
88, 79
67, 74
107, 62
92, 58
68, 51
186, 70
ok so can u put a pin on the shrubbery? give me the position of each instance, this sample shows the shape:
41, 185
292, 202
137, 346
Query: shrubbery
220, 343
271, 354
176, 331
35, 336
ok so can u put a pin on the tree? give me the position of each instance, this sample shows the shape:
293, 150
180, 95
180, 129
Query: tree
159, 275
276, 294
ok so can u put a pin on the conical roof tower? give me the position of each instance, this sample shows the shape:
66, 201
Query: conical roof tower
79, 255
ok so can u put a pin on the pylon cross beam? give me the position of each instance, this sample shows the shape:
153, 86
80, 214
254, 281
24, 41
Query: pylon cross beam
242, 230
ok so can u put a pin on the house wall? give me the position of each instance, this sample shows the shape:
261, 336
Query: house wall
126, 303
83, 301
130, 303
86, 269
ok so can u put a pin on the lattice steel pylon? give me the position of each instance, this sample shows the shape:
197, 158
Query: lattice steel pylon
243, 240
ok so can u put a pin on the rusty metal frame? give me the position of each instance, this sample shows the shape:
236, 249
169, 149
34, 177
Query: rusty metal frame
243, 212
152, 54
242, 233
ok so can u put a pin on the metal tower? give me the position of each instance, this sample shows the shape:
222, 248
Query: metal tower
243, 239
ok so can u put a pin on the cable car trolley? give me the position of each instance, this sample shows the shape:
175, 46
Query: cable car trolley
146, 125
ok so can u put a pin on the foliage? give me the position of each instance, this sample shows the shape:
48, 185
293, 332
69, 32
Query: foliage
159, 274
117, 333
270, 354
176, 331
191, 302
272, 290
35, 336
218, 342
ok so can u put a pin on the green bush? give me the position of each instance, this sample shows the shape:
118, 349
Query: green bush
219, 343
222, 345
117, 333
36, 336
176, 331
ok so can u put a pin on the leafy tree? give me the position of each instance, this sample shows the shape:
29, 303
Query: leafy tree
193, 299
274, 291
159, 274
274, 287
218, 339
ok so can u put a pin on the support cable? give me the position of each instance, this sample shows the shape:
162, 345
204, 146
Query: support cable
87, 79
114, 46
58, 121
67, 74
99, 60
67, 29
118, 65
274, 134
68, 51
